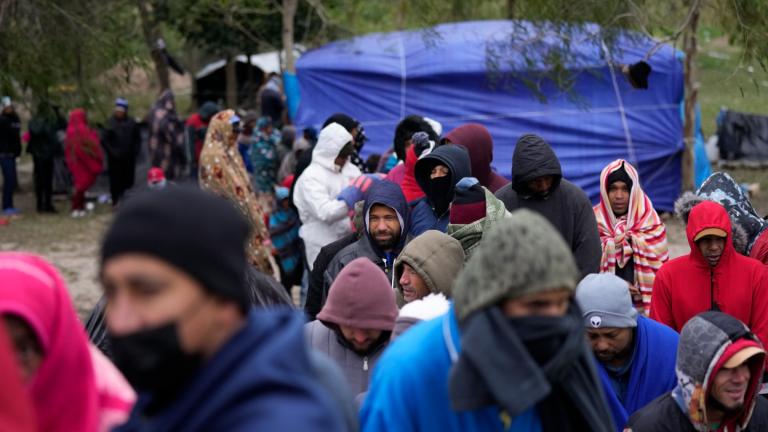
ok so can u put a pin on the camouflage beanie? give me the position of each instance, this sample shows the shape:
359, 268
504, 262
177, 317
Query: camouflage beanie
521, 255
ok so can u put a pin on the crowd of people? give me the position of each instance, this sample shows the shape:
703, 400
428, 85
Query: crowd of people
436, 294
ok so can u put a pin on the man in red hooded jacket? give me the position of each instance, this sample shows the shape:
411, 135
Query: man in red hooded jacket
712, 277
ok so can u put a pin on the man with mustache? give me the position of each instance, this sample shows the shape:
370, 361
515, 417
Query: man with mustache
386, 218
635, 354
719, 366
712, 277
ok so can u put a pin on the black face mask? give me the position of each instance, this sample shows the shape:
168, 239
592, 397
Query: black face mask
440, 193
152, 360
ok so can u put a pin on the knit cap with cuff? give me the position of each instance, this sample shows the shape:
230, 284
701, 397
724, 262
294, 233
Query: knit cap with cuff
468, 202
200, 234
522, 255
606, 302
619, 175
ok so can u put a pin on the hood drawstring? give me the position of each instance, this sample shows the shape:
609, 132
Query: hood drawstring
365, 363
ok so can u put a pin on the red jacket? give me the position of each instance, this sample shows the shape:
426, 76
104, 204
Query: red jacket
687, 285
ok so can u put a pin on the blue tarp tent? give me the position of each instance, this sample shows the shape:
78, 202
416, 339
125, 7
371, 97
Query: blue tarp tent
481, 72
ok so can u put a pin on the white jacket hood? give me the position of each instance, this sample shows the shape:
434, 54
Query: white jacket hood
330, 142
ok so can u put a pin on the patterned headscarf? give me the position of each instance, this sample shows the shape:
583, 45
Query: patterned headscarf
222, 171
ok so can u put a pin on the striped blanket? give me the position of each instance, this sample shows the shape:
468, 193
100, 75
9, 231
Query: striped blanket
639, 235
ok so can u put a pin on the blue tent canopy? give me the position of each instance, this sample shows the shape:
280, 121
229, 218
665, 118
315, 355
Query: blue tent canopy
482, 72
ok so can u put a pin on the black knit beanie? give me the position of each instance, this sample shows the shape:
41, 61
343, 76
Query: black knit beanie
201, 234
619, 175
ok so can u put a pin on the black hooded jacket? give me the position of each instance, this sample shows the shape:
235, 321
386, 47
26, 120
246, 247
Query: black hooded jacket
424, 215
566, 206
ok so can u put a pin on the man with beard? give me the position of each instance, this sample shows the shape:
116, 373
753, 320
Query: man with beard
386, 216
355, 324
635, 354
538, 185
183, 330
719, 366
509, 355
713, 276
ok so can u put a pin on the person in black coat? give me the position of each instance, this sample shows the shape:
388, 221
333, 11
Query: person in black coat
538, 185
44, 146
122, 141
10, 149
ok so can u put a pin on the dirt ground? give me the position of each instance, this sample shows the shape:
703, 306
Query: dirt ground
73, 244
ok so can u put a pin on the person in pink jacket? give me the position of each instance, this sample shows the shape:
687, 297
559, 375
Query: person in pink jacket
73, 387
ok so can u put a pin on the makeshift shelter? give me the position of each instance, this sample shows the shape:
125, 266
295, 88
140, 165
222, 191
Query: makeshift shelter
211, 80
483, 71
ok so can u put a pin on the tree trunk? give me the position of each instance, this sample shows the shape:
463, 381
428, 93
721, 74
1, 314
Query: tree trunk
151, 35
691, 97
231, 74
289, 12
510, 9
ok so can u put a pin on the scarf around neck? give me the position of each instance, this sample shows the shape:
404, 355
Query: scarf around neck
520, 363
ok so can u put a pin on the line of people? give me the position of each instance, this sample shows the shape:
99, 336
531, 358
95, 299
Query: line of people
526, 309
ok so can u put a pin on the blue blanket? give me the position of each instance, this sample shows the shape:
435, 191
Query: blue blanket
653, 370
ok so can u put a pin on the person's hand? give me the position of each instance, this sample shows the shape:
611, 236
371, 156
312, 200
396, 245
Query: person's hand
358, 190
421, 143
350, 195
634, 292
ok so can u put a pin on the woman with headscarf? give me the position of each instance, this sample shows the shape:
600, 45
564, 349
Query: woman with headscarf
73, 387
222, 171
166, 135
84, 157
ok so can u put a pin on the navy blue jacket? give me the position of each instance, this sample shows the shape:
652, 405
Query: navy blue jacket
260, 380
423, 215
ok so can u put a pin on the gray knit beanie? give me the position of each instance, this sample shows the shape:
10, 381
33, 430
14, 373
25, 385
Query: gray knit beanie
523, 254
605, 302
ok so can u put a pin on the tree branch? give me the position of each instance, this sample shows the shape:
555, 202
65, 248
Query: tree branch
674, 36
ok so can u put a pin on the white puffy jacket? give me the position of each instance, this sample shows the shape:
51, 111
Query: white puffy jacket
323, 217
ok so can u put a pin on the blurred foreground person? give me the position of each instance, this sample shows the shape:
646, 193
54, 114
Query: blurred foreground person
719, 367
510, 355
16, 411
184, 333
72, 385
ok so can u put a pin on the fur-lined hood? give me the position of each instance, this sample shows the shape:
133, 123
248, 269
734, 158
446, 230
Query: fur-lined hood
688, 200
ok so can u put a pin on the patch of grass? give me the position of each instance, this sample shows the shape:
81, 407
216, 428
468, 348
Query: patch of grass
726, 82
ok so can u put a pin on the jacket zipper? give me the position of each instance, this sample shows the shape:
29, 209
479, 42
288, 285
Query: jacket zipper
365, 363
712, 305
389, 273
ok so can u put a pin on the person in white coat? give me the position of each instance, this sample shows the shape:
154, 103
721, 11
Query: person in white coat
323, 215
